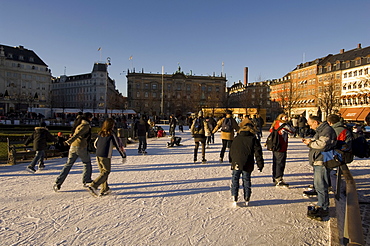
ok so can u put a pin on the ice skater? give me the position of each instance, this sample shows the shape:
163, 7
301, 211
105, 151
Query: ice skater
244, 148
107, 139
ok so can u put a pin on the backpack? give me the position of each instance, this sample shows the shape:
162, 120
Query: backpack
227, 125
273, 140
198, 125
360, 147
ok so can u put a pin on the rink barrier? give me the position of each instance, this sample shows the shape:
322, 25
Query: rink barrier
353, 231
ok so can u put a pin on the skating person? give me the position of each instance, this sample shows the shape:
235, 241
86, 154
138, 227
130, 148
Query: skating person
302, 126
279, 157
78, 148
107, 139
228, 127
172, 122
258, 122
39, 137
211, 125
323, 140
244, 149
141, 128
198, 130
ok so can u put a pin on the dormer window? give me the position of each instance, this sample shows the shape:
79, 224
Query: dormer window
10, 55
358, 62
21, 58
31, 59
348, 64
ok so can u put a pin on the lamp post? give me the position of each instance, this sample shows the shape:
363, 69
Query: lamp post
106, 89
162, 98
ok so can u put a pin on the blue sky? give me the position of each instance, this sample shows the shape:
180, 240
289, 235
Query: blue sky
269, 36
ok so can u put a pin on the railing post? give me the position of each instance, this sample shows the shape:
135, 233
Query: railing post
353, 223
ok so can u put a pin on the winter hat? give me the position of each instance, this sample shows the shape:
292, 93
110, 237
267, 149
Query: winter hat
42, 124
200, 114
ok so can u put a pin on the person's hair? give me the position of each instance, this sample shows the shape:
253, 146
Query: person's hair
279, 118
229, 112
315, 118
107, 128
87, 116
333, 118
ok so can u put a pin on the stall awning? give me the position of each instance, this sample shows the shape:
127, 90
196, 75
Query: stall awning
364, 114
351, 113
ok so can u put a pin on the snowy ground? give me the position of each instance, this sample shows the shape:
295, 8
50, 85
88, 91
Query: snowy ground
162, 198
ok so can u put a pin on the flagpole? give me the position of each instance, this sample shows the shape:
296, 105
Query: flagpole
162, 99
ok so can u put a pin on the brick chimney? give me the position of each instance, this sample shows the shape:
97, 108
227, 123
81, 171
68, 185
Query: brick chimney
341, 51
245, 75
359, 46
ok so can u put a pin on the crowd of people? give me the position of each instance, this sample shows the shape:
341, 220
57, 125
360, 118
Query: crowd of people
242, 137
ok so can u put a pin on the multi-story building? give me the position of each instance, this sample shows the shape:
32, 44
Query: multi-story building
24, 80
95, 90
355, 83
182, 93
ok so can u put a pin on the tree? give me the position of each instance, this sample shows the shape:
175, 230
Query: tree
287, 95
328, 96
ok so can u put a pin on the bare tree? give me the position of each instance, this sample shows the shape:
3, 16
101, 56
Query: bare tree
287, 96
328, 96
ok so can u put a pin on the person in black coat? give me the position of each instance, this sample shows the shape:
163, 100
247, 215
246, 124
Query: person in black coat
40, 137
242, 152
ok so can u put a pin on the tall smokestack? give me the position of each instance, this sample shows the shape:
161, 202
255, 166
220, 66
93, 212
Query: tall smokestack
245, 75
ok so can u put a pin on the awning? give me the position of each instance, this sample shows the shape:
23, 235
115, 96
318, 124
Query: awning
351, 113
364, 114
298, 111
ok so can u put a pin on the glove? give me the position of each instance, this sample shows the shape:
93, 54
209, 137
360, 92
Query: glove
260, 170
124, 160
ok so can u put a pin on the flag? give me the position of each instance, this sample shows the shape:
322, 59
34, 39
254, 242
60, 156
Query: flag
99, 49
130, 58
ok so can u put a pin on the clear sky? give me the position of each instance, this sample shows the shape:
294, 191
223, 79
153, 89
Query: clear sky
270, 37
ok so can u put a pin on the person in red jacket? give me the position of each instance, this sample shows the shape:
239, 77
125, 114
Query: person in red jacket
279, 157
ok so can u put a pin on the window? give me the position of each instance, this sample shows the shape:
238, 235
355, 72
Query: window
354, 73
21, 58
154, 94
366, 71
137, 86
146, 94
345, 75
154, 86
349, 74
209, 88
358, 62
360, 72
138, 94
146, 86
348, 64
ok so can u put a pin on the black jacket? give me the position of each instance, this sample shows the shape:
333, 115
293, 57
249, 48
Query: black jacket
243, 150
40, 137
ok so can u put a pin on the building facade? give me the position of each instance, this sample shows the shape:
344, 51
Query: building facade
95, 90
24, 80
182, 93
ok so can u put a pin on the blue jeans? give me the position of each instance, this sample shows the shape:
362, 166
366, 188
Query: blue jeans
73, 154
321, 183
278, 165
40, 154
246, 178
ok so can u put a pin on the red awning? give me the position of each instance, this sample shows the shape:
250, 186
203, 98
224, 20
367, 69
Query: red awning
351, 113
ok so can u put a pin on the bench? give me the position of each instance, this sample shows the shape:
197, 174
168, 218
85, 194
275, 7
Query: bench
17, 151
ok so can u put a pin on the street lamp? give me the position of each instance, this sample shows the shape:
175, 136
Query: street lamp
106, 87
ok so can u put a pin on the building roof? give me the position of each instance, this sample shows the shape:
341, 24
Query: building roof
20, 54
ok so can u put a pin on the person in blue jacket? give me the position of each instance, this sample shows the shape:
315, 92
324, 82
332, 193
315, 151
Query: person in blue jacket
106, 140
